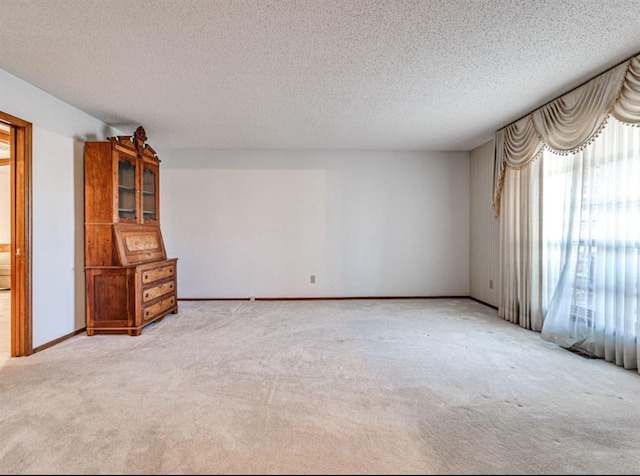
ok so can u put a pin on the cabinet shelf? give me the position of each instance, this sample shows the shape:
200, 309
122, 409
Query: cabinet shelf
126, 189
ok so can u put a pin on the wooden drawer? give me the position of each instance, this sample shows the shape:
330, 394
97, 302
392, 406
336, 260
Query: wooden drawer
166, 287
161, 307
159, 273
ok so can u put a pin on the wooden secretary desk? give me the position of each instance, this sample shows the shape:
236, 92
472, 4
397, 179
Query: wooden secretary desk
130, 283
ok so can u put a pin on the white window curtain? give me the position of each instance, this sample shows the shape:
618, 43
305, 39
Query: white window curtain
520, 250
591, 243
568, 260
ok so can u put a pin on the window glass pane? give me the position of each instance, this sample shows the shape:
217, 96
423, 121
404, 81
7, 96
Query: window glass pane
149, 194
126, 190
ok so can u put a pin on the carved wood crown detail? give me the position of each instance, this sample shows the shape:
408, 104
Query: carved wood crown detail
136, 142
139, 138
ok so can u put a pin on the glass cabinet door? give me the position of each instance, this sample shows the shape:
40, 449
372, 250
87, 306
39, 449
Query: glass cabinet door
149, 193
127, 203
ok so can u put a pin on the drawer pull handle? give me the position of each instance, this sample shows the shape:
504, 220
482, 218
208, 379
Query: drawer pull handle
146, 276
146, 295
171, 286
146, 313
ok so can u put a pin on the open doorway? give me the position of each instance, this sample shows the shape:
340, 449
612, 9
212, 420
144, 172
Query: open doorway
5, 242
15, 237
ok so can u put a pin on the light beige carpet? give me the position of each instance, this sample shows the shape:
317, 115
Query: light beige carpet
319, 387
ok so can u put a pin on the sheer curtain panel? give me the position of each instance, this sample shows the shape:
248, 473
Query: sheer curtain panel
592, 230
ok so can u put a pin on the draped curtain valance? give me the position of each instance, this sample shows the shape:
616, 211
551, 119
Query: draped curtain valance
570, 122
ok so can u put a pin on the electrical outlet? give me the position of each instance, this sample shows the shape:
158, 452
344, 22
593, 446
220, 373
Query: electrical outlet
491, 284
313, 279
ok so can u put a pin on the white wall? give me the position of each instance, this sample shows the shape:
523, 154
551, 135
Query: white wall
59, 131
259, 223
484, 227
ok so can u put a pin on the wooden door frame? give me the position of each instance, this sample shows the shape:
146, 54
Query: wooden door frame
21, 227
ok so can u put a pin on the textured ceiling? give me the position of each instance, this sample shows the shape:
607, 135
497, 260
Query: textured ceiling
313, 74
